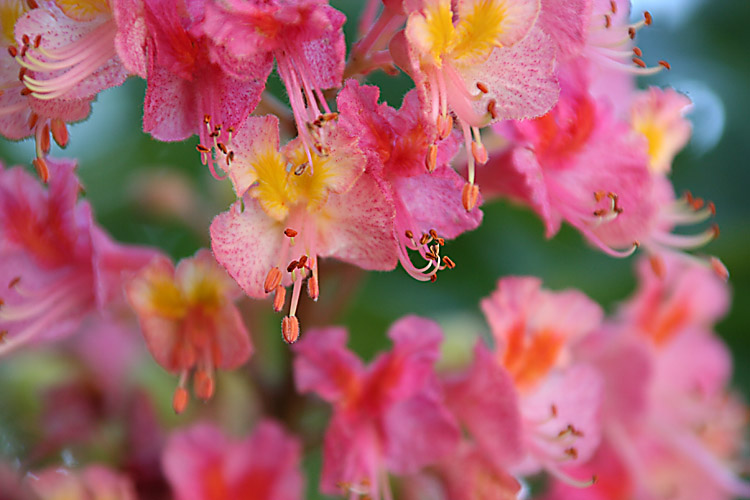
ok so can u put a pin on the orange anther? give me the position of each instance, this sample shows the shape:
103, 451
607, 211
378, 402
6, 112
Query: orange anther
290, 329
479, 152
469, 196
273, 279
41, 169
637, 52
292, 266
13, 51
482, 88
203, 385
202, 149
313, 288
665, 64
179, 400
647, 17
289, 232
639, 62
430, 160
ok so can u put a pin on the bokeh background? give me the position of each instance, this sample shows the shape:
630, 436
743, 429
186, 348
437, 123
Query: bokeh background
158, 194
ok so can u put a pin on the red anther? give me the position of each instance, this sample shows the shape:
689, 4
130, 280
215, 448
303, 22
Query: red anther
491, 109
23, 50
715, 229
59, 132
572, 453
37, 41
657, 266
222, 147
600, 212
719, 268
44, 142
449, 262
202, 149
575, 431
13, 51
482, 88
469, 196
607, 21
230, 130
206, 119
292, 266
290, 329
32, 4
553, 410
217, 128
25, 39
430, 160
697, 203
599, 195
230, 157
290, 233
203, 385
42, 170
32, 120
444, 126
647, 17
688, 197
179, 400
300, 169
712, 208
613, 6
637, 52
440, 241
631, 32
302, 262
479, 152
273, 280
21, 74
3, 335
431, 255
279, 298
14, 282
25, 91
665, 64
409, 234
433, 233
637, 244
639, 62
313, 288
433, 278
424, 239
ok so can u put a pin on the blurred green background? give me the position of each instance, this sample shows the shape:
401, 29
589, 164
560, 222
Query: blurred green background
158, 194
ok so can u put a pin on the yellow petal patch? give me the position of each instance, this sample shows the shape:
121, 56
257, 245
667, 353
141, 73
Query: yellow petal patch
272, 191
10, 11
432, 30
83, 10
479, 29
165, 298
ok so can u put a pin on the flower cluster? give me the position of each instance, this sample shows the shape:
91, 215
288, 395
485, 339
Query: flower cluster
529, 100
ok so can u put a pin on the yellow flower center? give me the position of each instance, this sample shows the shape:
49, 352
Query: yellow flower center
83, 10
10, 12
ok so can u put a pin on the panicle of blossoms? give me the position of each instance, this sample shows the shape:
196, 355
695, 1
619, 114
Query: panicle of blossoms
56, 265
669, 426
536, 332
389, 417
306, 40
396, 143
291, 212
482, 61
188, 317
60, 54
202, 463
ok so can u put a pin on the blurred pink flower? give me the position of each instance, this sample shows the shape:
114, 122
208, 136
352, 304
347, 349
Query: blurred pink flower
189, 320
202, 463
93, 482
57, 264
388, 417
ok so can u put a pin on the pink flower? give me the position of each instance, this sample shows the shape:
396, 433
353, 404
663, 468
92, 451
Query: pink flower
304, 37
292, 212
388, 417
535, 331
425, 197
57, 265
189, 320
189, 89
202, 463
94, 481
482, 61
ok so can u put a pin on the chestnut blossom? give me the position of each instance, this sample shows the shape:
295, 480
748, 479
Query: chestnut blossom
93, 482
203, 463
389, 417
396, 143
188, 317
56, 265
292, 212
482, 61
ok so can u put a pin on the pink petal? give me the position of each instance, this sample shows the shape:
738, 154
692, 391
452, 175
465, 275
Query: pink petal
567, 24
256, 137
324, 365
485, 401
247, 243
419, 432
130, 41
520, 78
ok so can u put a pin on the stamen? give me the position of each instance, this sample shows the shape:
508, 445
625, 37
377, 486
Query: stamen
657, 266
482, 88
313, 288
647, 18
180, 400
279, 299
273, 279
469, 196
290, 233
431, 158
203, 384
665, 64
290, 329
42, 169
719, 268
59, 132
